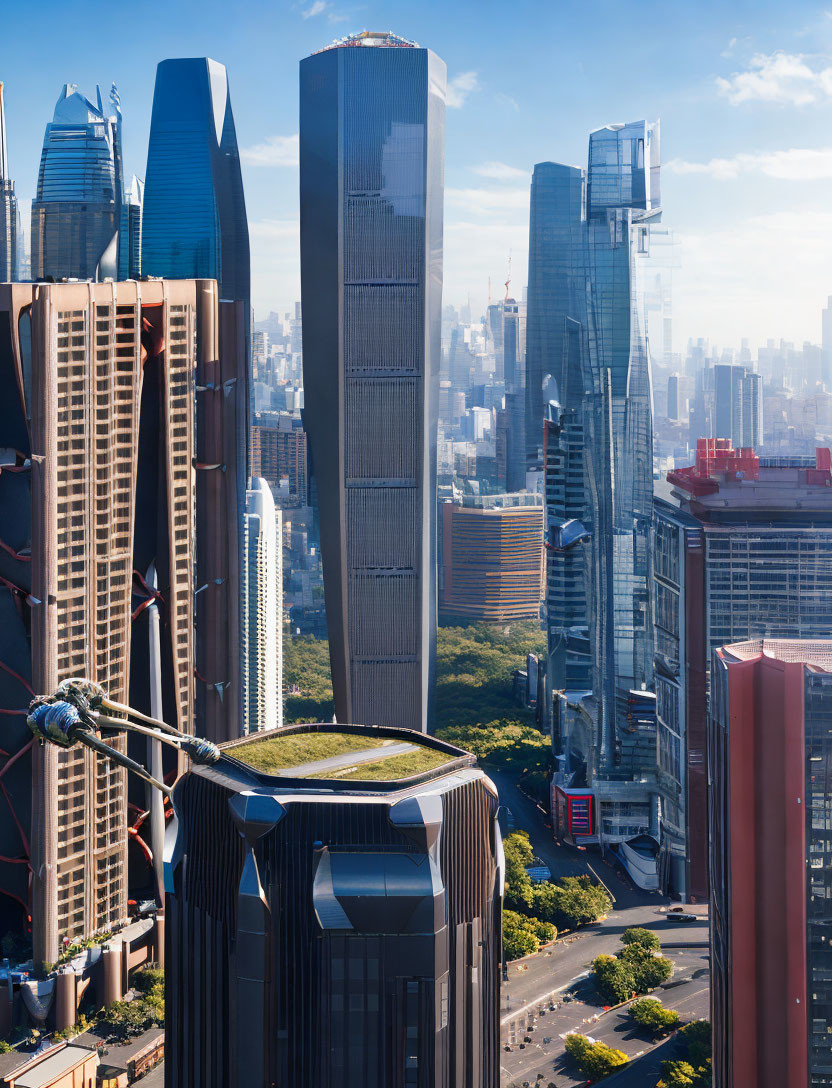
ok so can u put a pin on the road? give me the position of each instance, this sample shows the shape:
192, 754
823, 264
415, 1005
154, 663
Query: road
563, 968
577, 1009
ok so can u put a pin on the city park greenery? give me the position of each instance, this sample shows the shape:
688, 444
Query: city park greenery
594, 1060
475, 705
638, 967
694, 1071
651, 1015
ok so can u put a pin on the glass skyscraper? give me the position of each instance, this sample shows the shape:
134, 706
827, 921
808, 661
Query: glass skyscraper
9, 218
77, 210
587, 352
194, 218
372, 120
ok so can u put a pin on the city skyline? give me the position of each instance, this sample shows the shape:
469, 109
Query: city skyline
742, 113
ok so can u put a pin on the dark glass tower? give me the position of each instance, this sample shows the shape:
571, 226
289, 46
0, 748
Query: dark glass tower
372, 120
334, 931
77, 211
194, 216
8, 208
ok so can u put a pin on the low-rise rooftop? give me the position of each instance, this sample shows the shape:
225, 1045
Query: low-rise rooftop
333, 753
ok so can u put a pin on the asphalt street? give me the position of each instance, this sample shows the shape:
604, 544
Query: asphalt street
559, 974
577, 1009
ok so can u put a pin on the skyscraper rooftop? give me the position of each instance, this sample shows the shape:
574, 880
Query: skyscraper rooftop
384, 39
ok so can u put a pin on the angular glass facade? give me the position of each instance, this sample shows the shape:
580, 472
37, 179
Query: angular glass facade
9, 217
194, 218
130, 233
77, 211
587, 352
371, 168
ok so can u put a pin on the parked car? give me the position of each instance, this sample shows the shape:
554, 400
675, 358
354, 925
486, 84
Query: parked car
538, 871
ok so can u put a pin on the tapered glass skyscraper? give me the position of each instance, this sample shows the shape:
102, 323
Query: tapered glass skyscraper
8, 208
587, 350
194, 215
372, 120
77, 210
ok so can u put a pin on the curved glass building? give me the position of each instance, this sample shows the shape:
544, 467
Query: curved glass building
77, 210
8, 208
588, 365
372, 126
194, 215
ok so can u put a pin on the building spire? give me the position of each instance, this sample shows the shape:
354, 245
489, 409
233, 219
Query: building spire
4, 166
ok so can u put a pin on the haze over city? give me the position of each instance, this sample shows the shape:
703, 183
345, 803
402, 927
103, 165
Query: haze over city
744, 96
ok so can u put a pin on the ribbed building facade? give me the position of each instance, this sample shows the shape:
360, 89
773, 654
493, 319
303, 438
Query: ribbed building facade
97, 488
771, 863
76, 213
9, 215
334, 932
492, 559
371, 175
261, 668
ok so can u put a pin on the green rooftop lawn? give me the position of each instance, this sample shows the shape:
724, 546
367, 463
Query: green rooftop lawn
394, 767
272, 754
276, 753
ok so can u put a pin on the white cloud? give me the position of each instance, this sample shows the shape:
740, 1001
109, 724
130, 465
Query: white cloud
459, 88
317, 8
791, 78
764, 276
489, 200
500, 171
794, 164
506, 100
274, 151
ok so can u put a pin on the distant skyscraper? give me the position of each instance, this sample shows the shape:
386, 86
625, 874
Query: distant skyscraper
492, 558
587, 351
261, 672
194, 219
770, 749
673, 397
826, 349
371, 178
130, 232
738, 405
9, 216
194, 224
76, 213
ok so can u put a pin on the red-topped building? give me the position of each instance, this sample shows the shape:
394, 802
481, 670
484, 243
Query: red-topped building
742, 548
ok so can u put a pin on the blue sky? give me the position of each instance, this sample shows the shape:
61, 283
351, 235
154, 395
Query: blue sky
743, 90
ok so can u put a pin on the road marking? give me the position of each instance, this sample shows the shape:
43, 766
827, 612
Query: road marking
539, 1000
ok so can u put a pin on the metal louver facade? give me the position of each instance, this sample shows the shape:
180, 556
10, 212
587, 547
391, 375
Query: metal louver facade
371, 165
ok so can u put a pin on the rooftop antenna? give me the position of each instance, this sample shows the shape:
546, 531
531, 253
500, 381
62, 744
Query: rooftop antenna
508, 281
489, 290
